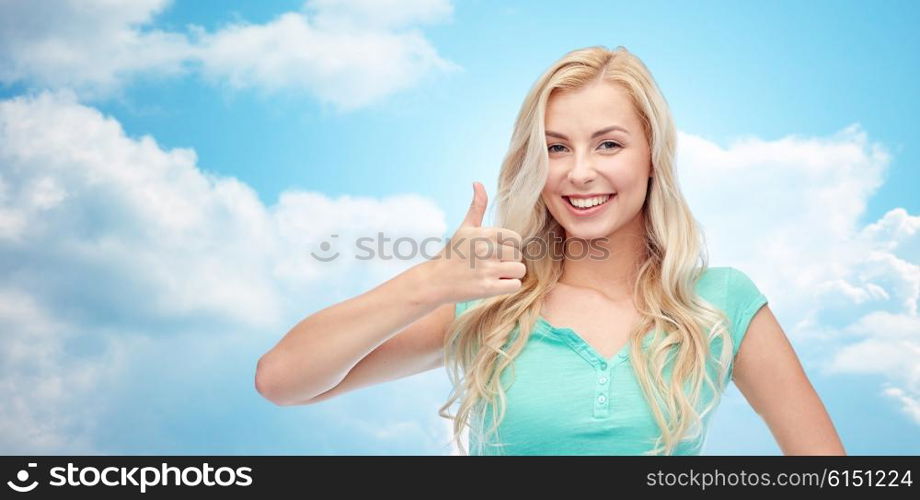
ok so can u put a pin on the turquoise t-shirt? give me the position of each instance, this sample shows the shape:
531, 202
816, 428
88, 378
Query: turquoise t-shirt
566, 399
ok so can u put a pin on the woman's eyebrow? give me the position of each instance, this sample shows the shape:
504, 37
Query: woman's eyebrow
599, 132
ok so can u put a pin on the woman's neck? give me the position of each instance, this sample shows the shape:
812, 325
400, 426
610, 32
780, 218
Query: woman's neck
613, 266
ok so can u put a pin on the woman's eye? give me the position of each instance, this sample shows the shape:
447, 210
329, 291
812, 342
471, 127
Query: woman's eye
612, 144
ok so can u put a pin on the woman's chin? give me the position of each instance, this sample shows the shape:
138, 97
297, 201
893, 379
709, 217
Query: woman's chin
586, 233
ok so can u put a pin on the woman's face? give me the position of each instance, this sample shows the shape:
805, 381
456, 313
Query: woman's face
589, 162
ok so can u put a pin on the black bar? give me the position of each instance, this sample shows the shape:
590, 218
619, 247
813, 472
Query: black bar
306, 476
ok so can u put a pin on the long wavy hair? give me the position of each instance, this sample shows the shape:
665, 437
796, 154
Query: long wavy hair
480, 344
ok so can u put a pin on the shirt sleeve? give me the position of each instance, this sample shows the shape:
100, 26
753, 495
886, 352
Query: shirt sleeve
461, 307
744, 300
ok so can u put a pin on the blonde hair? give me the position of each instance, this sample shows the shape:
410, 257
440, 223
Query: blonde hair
477, 348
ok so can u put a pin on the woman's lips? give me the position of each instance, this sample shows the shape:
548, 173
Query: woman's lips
585, 212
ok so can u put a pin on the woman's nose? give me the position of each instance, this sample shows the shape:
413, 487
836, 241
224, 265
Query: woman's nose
582, 171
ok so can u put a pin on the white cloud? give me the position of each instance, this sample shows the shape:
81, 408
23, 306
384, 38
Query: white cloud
910, 403
126, 206
116, 242
38, 379
380, 14
350, 68
90, 45
788, 212
348, 53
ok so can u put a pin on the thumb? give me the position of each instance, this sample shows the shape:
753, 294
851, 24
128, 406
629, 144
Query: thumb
477, 207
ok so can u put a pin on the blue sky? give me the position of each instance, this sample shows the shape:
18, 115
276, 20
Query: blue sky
166, 166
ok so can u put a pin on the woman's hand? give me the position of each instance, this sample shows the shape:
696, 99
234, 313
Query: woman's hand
478, 261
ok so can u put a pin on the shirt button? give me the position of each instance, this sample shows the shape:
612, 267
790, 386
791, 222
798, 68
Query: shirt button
602, 380
602, 399
603, 365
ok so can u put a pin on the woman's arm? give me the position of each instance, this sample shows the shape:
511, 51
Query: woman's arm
769, 374
398, 328
323, 348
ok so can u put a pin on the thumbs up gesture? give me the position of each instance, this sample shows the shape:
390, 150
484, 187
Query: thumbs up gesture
478, 261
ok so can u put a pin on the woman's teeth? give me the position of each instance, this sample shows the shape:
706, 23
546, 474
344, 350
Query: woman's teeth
588, 202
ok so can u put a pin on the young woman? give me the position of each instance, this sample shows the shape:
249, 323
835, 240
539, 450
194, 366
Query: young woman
587, 321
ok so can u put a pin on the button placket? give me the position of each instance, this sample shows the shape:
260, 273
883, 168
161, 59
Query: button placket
602, 391
603, 367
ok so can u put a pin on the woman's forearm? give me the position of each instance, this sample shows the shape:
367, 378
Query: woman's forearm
320, 350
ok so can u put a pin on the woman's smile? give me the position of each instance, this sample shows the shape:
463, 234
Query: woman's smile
585, 206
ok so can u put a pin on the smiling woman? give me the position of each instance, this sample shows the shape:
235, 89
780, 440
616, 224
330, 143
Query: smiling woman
623, 349
626, 351
620, 162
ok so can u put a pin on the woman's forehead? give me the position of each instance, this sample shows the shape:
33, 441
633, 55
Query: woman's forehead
583, 111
